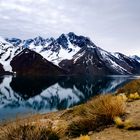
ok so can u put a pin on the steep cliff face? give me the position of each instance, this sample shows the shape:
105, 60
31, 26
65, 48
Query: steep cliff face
1, 68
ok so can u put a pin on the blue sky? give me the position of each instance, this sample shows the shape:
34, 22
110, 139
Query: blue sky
114, 25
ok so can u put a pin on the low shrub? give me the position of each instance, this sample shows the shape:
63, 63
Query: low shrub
86, 137
131, 87
134, 96
28, 132
100, 112
119, 123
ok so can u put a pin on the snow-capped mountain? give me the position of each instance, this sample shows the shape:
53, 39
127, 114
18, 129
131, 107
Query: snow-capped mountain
136, 58
7, 52
55, 50
98, 61
73, 53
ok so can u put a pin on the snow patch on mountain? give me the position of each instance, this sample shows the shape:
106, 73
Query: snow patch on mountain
56, 57
56, 50
62, 54
136, 58
106, 56
7, 52
78, 56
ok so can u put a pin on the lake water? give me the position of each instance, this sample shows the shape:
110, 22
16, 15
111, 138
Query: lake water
23, 95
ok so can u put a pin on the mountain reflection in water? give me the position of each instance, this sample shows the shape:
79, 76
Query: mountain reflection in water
22, 95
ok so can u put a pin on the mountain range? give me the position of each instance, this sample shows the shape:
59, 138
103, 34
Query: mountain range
69, 54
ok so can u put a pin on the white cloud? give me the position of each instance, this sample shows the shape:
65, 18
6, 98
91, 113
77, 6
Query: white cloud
113, 25
14, 6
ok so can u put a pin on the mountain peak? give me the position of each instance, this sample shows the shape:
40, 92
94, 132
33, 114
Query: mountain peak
80, 41
136, 58
39, 41
14, 41
63, 41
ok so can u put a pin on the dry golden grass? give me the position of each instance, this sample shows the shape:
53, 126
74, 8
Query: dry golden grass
127, 124
119, 123
106, 107
123, 124
27, 131
131, 87
60, 127
123, 97
134, 96
81, 126
99, 112
86, 137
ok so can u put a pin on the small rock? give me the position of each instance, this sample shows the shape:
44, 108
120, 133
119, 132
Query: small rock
128, 112
90, 132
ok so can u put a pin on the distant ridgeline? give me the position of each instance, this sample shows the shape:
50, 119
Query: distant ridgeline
69, 54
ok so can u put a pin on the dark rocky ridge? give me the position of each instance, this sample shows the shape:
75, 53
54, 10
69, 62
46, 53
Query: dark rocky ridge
1, 69
30, 63
99, 62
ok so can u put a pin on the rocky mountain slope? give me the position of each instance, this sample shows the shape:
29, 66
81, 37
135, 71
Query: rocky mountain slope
74, 54
29, 62
136, 57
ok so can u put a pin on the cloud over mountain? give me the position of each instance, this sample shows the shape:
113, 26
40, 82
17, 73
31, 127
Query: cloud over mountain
113, 25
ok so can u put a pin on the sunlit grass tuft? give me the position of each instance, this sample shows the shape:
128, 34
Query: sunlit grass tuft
134, 96
123, 124
86, 137
107, 107
27, 132
119, 123
99, 112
